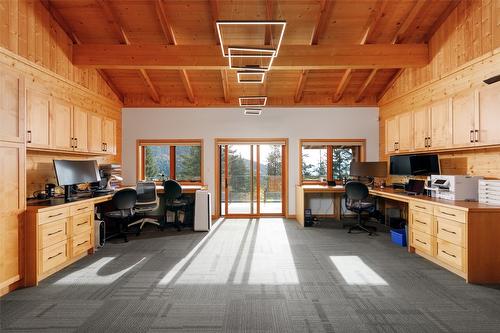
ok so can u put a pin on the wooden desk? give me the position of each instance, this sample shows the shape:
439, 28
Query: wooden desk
460, 236
302, 190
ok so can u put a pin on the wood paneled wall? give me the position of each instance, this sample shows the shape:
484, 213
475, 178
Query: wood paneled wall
27, 29
464, 51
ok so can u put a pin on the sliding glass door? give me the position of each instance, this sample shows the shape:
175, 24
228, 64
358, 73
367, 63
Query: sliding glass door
251, 179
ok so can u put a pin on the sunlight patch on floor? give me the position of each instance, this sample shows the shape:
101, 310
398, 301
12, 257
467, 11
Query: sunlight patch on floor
355, 272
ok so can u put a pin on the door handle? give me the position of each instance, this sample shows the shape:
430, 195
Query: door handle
476, 135
28, 139
471, 136
76, 143
430, 142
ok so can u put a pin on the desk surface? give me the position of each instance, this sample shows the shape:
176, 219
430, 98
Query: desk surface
400, 195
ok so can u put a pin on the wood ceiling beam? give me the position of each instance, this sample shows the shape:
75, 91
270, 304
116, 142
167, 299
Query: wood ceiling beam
292, 57
325, 10
390, 84
214, 10
74, 38
269, 16
440, 20
375, 16
187, 85
225, 85
114, 20
365, 85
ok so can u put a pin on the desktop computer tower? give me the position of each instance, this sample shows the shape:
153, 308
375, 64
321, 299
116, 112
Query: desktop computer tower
99, 233
202, 211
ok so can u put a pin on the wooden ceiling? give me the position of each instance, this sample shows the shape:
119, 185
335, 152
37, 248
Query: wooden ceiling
334, 52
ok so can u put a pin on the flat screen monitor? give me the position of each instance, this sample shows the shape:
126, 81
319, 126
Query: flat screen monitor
368, 169
414, 165
71, 172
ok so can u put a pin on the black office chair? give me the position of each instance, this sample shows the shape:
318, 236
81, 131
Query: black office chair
124, 202
146, 205
173, 202
356, 200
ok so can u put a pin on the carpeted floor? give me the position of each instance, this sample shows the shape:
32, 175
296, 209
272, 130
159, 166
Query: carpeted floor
262, 275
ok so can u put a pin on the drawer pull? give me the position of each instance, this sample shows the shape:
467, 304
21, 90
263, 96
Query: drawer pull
421, 207
82, 208
55, 232
50, 216
56, 255
81, 243
451, 232
449, 214
449, 254
79, 224
418, 240
418, 221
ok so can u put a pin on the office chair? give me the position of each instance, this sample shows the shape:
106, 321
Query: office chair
147, 203
124, 202
173, 193
356, 195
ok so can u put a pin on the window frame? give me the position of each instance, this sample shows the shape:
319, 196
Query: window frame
330, 143
172, 143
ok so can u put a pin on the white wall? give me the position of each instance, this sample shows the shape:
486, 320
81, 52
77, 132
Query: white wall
208, 124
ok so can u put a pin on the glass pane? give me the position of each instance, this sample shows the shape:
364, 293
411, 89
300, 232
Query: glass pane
222, 180
156, 162
314, 162
342, 158
239, 179
270, 179
188, 163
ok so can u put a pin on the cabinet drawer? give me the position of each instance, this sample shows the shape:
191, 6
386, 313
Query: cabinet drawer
52, 233
53, 215
450, 253
53, 256
421, 222
81, 243
80, 223
451, 231
421, 241
81, 208
421, 206
450, 213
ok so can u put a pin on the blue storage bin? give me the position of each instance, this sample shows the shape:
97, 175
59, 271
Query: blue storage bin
398, 236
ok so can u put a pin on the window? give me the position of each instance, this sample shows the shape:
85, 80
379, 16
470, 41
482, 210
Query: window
180, 160
328, 159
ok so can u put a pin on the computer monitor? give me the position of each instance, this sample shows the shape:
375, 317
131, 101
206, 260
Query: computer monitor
368, 169
72, 172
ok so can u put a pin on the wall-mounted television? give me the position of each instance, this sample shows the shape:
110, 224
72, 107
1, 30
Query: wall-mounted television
414, 165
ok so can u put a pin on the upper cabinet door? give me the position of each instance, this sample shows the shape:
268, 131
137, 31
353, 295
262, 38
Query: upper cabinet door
421, 128
61, 125
392, 134
109, 135
441, 134
487, 131
95, 140
37, 119
405, 142
11, 106
463, 110
80, 129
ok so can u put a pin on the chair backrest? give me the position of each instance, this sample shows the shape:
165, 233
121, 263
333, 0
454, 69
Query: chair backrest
356, 191
173, 190
125, 199
146, 193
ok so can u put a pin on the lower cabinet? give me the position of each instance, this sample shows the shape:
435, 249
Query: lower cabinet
56, 237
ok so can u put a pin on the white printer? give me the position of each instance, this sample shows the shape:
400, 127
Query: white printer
455, 187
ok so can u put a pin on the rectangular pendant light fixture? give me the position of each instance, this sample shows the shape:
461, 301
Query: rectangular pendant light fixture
221, 24
250, 77
258, 60
252, 112
253, 101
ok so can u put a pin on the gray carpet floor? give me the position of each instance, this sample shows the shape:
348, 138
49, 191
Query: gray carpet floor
262, 275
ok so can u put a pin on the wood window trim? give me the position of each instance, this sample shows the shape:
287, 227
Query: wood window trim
140, 156
330, 142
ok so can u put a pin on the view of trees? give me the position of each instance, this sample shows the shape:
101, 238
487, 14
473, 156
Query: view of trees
315, 164
342, 158
187, 163
157, 162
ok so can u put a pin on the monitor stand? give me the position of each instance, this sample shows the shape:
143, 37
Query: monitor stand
67, 194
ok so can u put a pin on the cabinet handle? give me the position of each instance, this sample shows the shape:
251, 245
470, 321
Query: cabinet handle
82, 208
451, 232
471, 136
55, 215
449, 214
57, 255
55, 232
449, 254
76, 143
476, 135
418, 221
28, 139
79, 224
81, 243
421, 207
430, 142
102, 146
105, 146
418, 240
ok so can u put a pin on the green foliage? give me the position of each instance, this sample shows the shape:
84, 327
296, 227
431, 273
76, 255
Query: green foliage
188, 163
157, 161
342, 158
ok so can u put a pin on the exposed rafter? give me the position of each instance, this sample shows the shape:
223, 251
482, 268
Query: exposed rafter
324, 13
365, 85
390, 84
187, 85
152, 90
269, 16
440, 20
225, 85
376, 15
214, 9
74, 38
